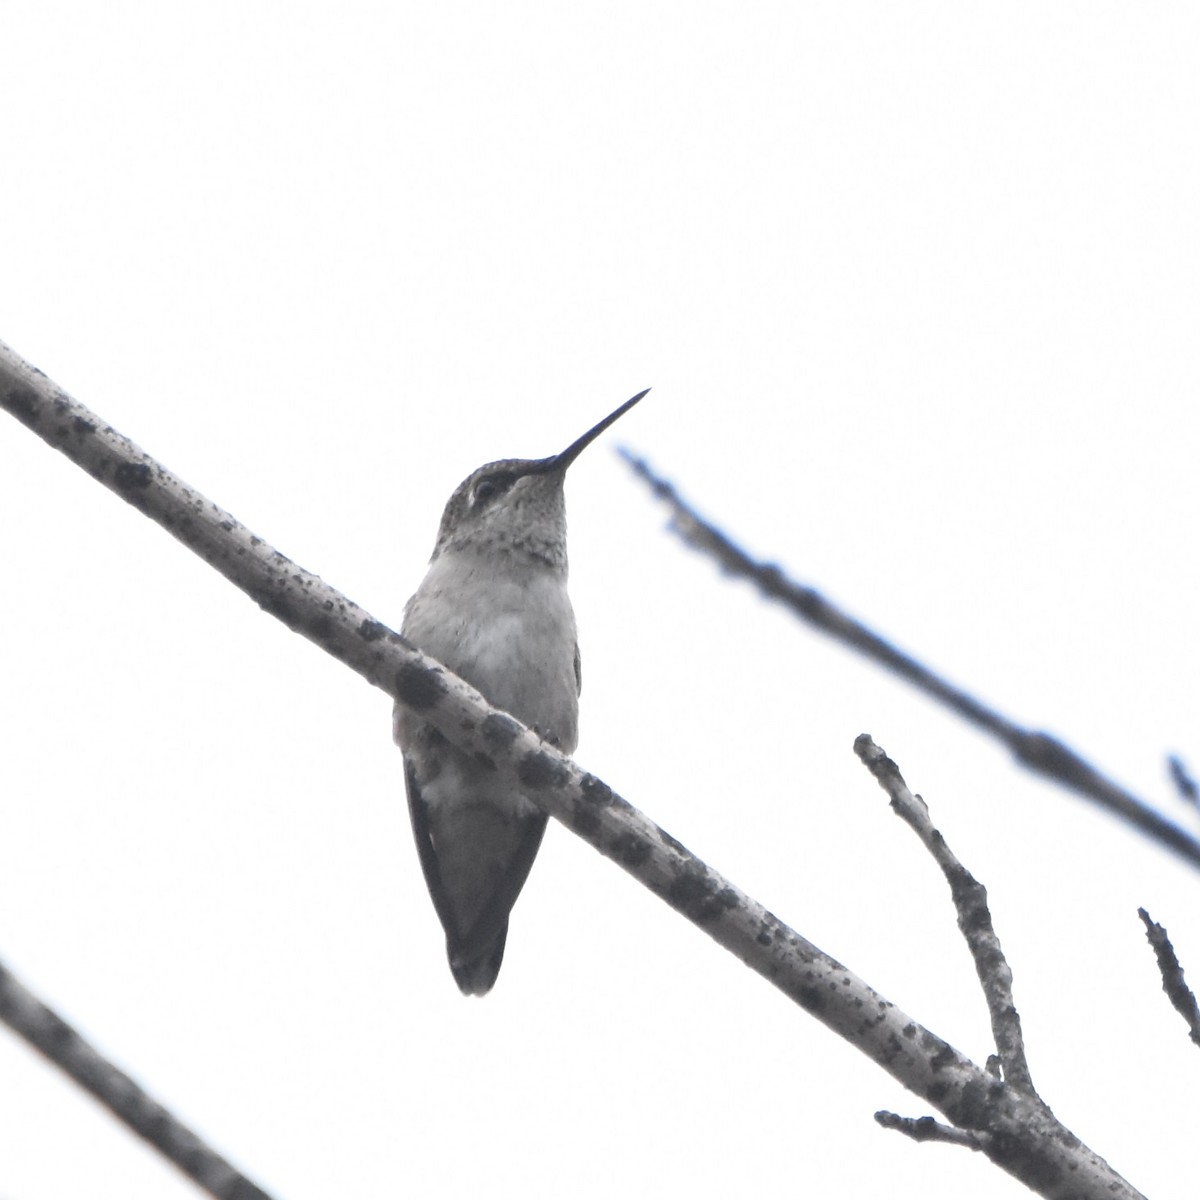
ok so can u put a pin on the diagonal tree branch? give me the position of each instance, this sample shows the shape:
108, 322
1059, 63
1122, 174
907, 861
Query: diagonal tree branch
44, 1029
1038, 751
1027, 1141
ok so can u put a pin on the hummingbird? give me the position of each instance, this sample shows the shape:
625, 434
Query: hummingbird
493, 607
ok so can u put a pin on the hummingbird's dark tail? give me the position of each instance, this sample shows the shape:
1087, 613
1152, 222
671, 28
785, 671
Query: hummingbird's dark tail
475, 855
476, 974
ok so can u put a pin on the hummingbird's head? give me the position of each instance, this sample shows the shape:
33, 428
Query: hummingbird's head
514, 507
510, 508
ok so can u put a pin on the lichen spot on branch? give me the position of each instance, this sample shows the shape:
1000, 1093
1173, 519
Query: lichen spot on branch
132, 477
418, 687
540, 770
697, 896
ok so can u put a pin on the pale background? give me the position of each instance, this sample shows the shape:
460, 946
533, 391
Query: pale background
917, 288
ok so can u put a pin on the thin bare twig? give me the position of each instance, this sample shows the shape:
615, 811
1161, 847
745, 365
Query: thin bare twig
974, 917
1035, 750
1030, 1143
45, 1030
1185, 783
926, 1129
1171, 970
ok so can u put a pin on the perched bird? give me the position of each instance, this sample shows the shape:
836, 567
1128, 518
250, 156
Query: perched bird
493, 607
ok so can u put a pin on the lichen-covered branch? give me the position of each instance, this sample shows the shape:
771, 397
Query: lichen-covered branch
44, 1029
1026, 1139
1038, 751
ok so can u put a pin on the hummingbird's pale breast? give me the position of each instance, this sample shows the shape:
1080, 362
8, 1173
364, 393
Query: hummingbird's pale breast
509, 630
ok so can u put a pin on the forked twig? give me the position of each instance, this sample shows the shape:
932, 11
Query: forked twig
974, 917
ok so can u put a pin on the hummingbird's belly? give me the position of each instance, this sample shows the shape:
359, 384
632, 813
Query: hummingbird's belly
523, 668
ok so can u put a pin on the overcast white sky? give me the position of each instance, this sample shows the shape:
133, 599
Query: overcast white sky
917, 288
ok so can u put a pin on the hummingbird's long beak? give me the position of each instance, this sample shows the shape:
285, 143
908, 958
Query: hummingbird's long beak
560, 462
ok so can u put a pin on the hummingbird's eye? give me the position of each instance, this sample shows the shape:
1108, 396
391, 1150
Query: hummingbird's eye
491, 486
